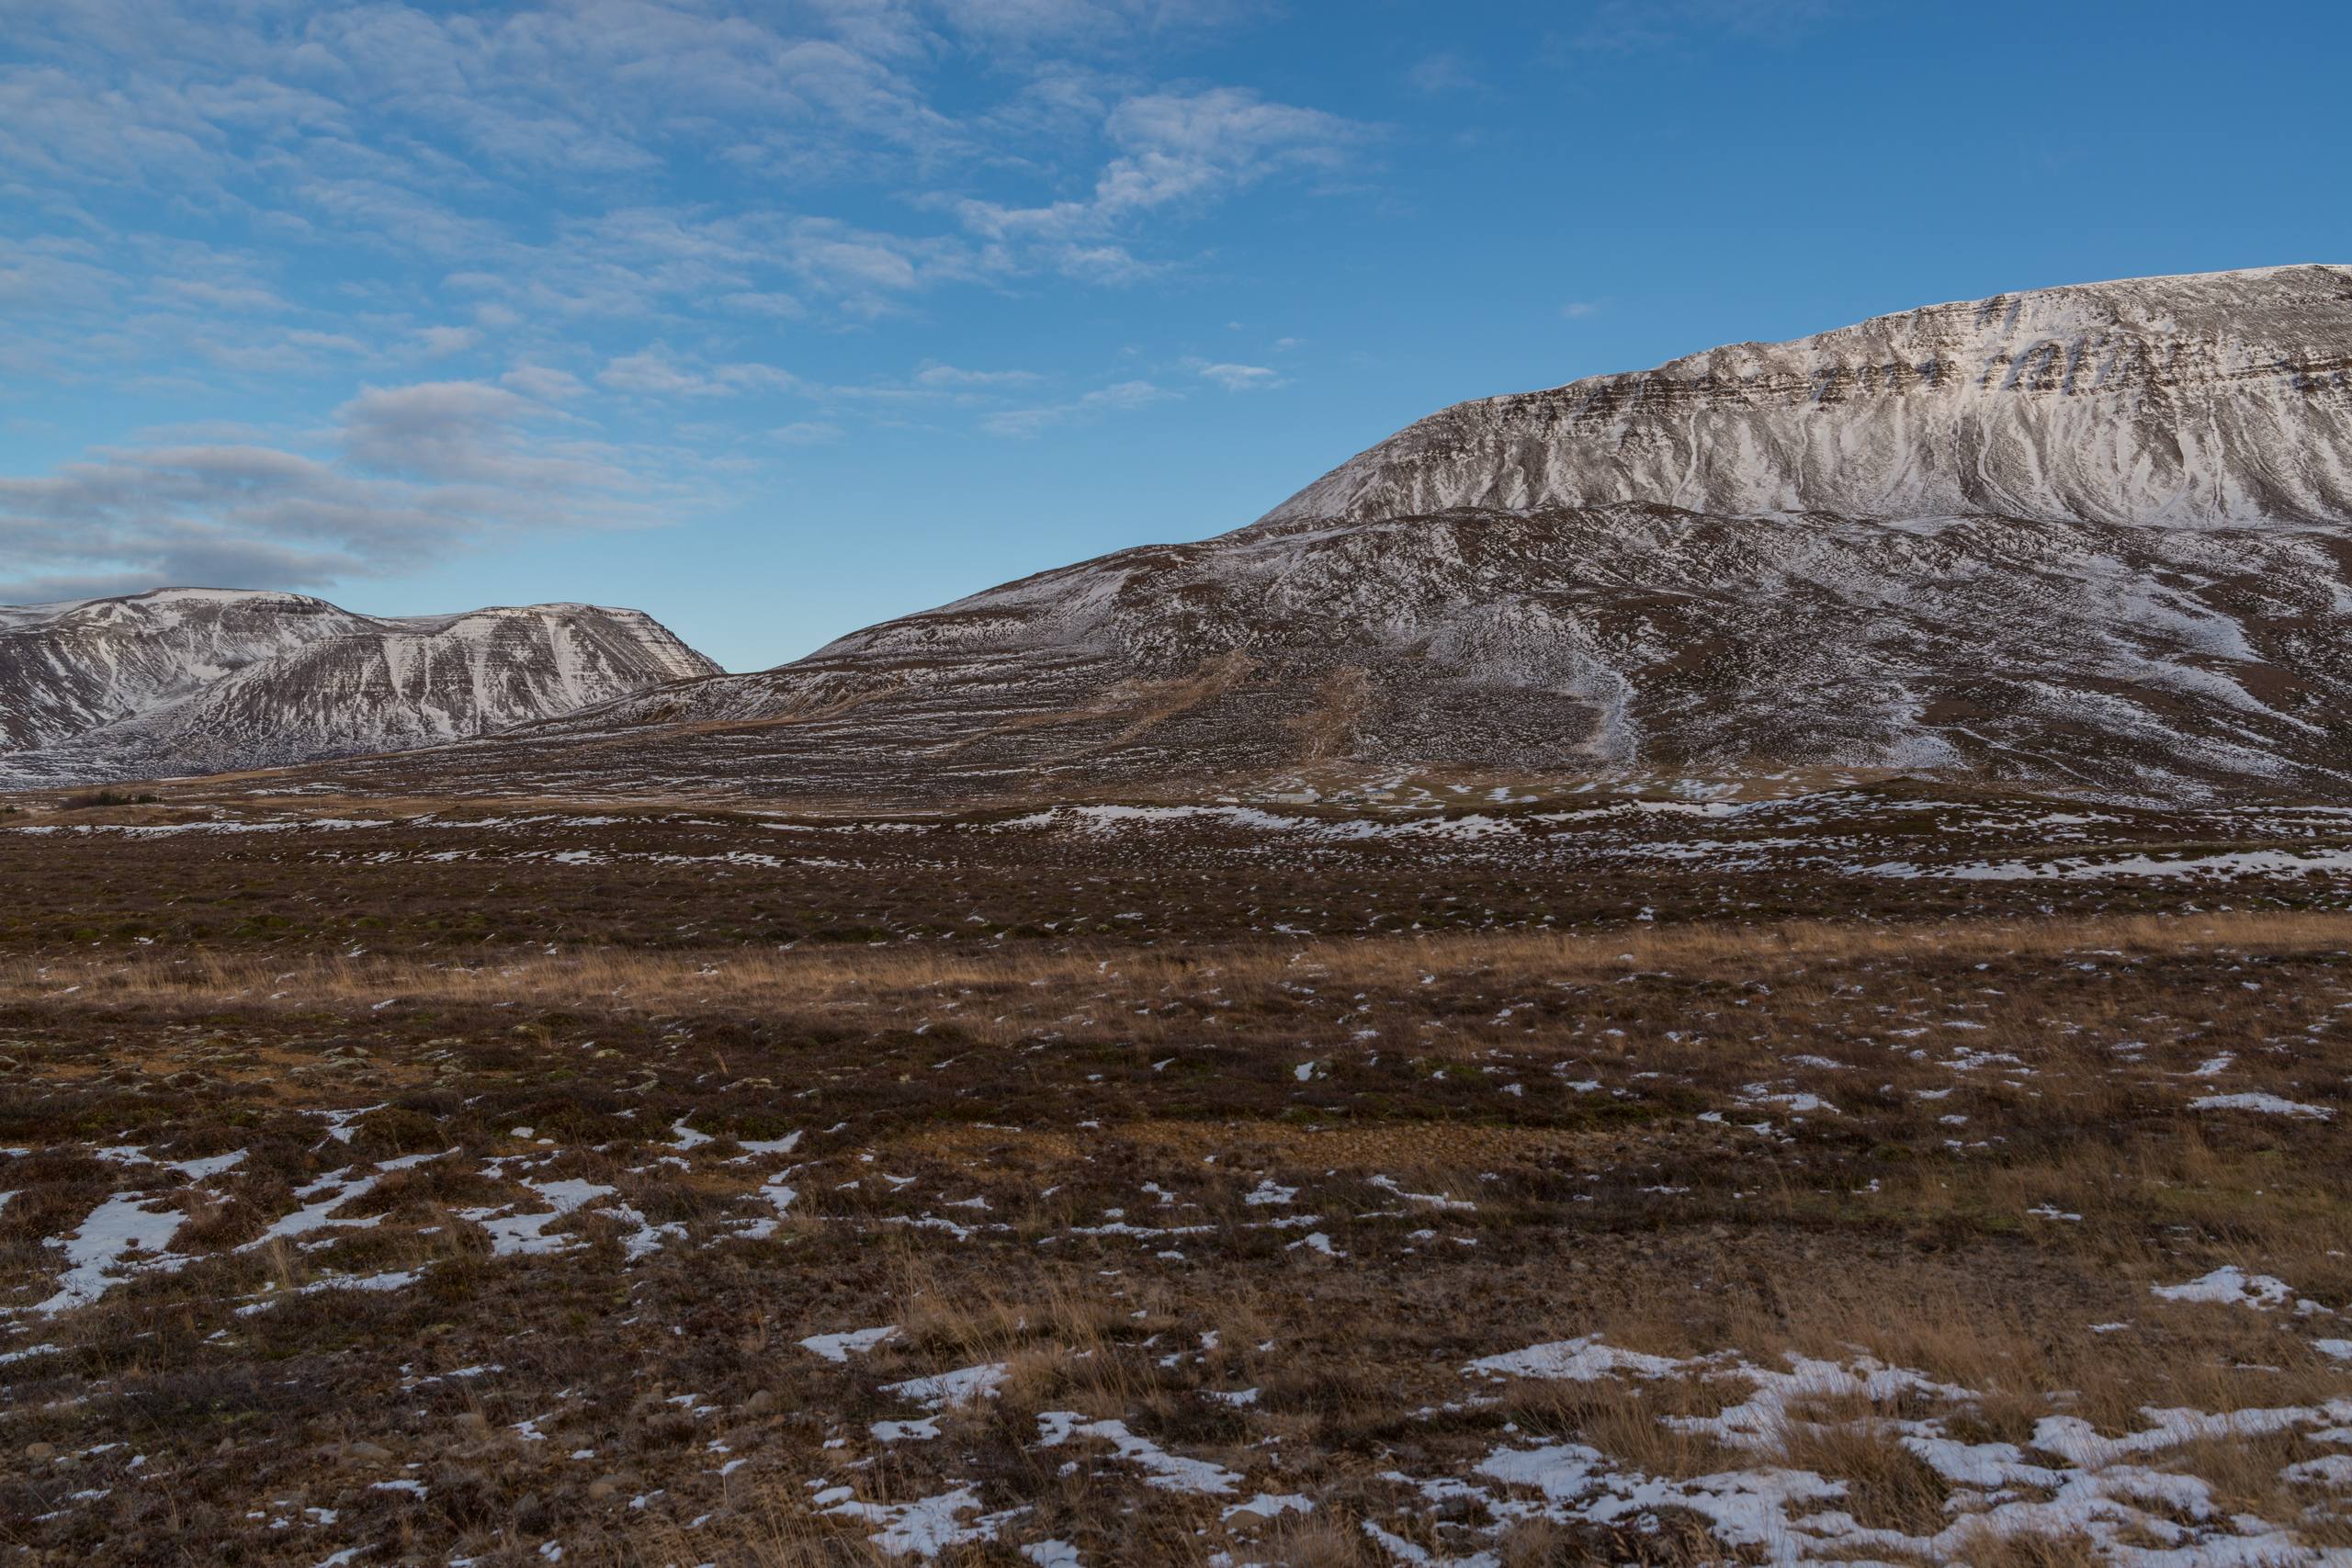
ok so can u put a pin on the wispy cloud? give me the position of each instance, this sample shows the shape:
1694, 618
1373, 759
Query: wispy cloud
543, 382
1442, 73
654, 371
1177, 152
413, 133
403, 475
438, 342
936, 375
1237, 378
240, 298
488, 239
1023, 423
1082, 25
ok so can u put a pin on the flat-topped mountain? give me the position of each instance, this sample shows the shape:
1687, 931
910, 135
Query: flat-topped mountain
2178, 401
186, 681
2091, 536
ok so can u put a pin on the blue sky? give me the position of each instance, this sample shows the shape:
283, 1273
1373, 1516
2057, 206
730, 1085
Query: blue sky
777, 320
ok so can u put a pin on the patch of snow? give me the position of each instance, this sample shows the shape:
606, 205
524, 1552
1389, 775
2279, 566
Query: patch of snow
2229, 1285
2264, 1104
855, 1341
1169, 1472
945, 1391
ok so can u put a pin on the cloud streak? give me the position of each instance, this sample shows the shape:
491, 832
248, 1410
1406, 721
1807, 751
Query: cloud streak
403, 475
1176, 152
1121, 397
1239, 378
510, 249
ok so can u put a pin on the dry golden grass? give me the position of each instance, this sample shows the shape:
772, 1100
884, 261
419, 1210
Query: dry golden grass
773, 1529
1327, 729
1626, 1420
639, 980
1888, 1487
1988, 1548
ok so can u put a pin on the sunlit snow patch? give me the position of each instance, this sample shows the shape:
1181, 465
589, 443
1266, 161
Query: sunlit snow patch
2266, 1104
2230, 1286
924, 1528
1169, 1472
123, 1225
840, 1347
946, 1389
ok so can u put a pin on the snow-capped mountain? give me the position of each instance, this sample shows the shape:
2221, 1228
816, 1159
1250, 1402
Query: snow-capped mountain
2097, 535
187, 681
2194, 401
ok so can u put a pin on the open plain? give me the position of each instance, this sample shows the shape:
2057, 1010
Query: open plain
1878, 1172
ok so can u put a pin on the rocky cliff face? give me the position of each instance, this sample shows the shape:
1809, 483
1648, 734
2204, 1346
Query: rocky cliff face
2097, 537
194, 681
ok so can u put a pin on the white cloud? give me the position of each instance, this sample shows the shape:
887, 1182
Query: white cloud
1179, 146
410, 473
1578, 309
1110, 265
1239, 378
933, 374
237, 297
461, 433
653, 373
420, 134
1029, 422
1179, 152
1441, 73
330, 342
55, 272
656, 372
436, 342
254, 206
543, 382
1080, 22
783, 307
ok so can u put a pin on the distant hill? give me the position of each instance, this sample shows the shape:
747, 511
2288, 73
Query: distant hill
195, 681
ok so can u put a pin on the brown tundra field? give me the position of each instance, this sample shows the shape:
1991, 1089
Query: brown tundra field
1881, 1173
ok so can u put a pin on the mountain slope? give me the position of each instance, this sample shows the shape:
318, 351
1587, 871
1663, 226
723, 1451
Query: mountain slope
2181, 402
194, 681
2096, 536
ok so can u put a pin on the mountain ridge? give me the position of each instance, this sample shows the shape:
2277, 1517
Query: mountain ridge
2097, 538
2118, 346
180, 680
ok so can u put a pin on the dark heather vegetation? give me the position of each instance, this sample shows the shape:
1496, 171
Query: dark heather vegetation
1878, 1175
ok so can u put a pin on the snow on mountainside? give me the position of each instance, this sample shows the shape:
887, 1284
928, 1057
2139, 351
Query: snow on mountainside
2094, 537
189, 681
2186, 402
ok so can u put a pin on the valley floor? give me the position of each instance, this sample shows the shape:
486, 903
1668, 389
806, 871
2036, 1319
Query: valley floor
1870, 1175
